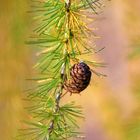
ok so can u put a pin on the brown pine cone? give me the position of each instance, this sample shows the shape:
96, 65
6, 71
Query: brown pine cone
80, 76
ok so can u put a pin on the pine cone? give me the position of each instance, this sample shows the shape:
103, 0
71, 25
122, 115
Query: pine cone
80, 76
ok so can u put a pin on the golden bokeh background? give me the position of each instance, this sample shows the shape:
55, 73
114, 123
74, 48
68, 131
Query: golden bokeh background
111, 105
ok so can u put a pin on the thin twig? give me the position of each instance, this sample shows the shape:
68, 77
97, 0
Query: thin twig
59, 94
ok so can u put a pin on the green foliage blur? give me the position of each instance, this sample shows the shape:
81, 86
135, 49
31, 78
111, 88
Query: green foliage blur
15, 61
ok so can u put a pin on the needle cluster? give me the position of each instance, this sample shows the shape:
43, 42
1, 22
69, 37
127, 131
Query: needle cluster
62, 37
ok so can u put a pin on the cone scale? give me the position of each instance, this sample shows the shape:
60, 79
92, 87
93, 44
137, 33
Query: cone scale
80, 76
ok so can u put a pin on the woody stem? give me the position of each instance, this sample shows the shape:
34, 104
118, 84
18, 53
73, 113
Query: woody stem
59, 93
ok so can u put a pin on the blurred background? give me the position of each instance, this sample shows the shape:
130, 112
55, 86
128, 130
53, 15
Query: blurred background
111, 105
